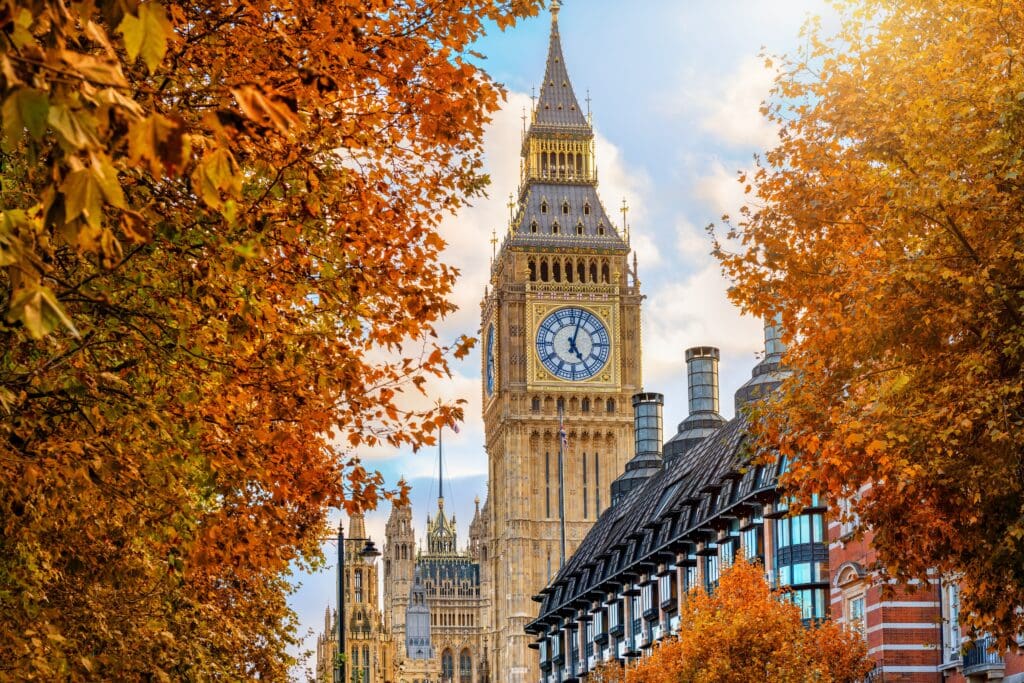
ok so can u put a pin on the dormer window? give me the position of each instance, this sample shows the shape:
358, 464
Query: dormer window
565, 208
544, 206
579, 227
600, 228
554, 228
586, 209
533, 226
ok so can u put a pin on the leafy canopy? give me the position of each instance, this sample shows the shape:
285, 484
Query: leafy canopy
886, 230
219, 269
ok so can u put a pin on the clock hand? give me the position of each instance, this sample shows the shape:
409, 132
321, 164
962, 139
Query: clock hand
573, 349
572, 341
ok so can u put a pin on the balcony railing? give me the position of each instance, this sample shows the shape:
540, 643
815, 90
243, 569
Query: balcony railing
874, 675
979, 658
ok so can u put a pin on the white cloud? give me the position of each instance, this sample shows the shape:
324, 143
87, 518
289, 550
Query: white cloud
693, 311
468, 233
721, 190
732, 111
618, 181
692, 242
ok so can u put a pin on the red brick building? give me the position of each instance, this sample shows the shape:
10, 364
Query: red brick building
912, 632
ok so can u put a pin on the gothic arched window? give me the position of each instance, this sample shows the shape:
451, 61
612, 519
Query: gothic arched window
465, 667
610, 405
447, 667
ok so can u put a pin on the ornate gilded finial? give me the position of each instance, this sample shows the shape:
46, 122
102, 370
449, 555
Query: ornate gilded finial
511, 205
625, 225
494, 244
555, 6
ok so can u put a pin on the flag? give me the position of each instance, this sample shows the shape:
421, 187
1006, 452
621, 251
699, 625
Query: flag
455, 427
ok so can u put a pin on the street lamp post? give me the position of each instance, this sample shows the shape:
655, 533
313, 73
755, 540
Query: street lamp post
369, 553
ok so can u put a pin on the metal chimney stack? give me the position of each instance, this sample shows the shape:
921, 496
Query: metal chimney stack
647, 431
702, 386
769, 373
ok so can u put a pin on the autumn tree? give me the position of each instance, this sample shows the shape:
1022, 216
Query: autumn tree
744, 632
219, 270
886, 230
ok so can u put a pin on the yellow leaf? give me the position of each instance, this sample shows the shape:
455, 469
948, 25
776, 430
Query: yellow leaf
39, 311
146, 35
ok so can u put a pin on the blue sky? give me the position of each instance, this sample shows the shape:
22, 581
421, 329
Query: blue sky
675, 88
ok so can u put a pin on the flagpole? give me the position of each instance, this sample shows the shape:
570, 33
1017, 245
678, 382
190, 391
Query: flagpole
561, 489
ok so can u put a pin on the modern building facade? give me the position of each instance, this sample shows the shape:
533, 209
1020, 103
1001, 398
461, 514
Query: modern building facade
683, 515
560, 320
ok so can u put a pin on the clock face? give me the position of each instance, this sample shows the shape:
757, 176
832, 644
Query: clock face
573, 344
490, 360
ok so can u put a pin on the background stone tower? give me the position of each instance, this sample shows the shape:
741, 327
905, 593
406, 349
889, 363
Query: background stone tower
399, 565
561, 329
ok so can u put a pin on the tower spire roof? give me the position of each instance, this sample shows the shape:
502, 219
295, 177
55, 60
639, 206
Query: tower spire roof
557, 105
558, 204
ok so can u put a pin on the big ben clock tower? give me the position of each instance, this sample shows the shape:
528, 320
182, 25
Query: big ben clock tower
561, 332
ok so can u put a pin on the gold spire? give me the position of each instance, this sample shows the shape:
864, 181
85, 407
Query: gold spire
625, 225
555, 6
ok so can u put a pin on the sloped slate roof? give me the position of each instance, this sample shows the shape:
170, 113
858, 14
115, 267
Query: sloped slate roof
580, 198
557, 105
664, 512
